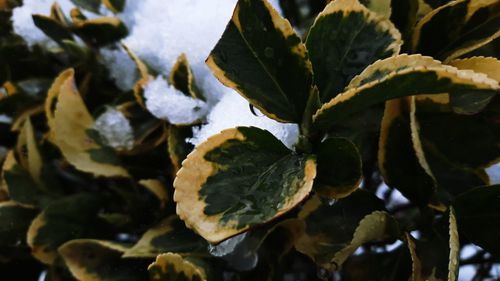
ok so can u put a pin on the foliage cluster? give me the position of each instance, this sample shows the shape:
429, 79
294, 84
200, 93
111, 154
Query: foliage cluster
400, 93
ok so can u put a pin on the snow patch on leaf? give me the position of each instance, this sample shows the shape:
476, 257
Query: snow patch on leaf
166, 102
115, 129
232, 111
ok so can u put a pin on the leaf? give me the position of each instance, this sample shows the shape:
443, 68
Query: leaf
172, 267
479, 135
89, 259
395, 77
457, 28
436, 256
101, 31
238, 179
15, 222
398, 156
404, 17
472, 102
478, 216
27, 149
341, 44
115, 6
22, 188
339, 168
143, 71
69, 122
52, 28
170, 235
182, 78
69, 218
158, 189
334, 231
90, 5
263, 59
178, 147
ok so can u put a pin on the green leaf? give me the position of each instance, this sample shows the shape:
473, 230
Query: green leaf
457, 28
395, 77
15, 222
90, 5
473, 102
404, 17
339, 168
435, 256
182, 78
341, 44
69, 218
478, 217
398, 160
89, 259
170, 235
178, 148
172, 267
238, 179
52, 28
263, 59
22, 188
101, 31
334, 231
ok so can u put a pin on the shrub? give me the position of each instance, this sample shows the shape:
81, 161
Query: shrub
396, 110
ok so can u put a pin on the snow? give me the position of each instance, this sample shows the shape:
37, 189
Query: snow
115, 129
166, 102
124, 71
232, 111
494, 173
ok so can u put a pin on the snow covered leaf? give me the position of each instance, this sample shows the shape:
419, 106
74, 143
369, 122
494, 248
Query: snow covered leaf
435, 256
171, 266
166, 102
334, 231
261, 57
240, 178
89, 259
70, 123
182, 78
170, 235
339, 168
100, 31
473, 102
478, 217
16, 220
393, 78
457, 28
340, 47
69, 218
398, 158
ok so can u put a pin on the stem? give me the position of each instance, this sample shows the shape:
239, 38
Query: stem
307, 133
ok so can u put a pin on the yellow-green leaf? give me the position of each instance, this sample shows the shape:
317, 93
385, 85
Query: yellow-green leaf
340, 44
262, 58
69, 122
238, 179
